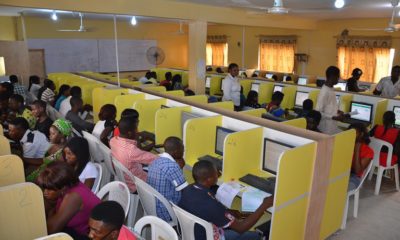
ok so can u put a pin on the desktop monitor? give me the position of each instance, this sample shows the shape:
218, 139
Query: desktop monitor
272, 153
208, 82
269, 75
300, 97
341, 85
302, 81
255, 87
220, 138
278, 88
187, 116
396, 110
362, 111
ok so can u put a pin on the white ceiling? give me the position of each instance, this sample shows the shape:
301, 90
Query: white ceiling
316, 9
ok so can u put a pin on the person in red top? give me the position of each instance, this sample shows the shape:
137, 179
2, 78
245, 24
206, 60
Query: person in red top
167, 82
362, 155
387, 132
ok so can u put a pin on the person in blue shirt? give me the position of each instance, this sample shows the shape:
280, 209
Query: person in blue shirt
63, 93
166, 176
274, 107
198, 200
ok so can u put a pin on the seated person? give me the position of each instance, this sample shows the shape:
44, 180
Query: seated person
275, 78
313, 119
4, 109
105, 126
362, 155
153, 78
389, 133
145, 78
128, 112
219, 70
254, 75
18, 88
65, 105
166, 176
18, 108
177, 82
60, 130
34, 143
6, 88
125, 150
252, 100
34, 85
167, 82
46, 93
308, 106
198, 200
43, 122
107, 222
63, 93
76, 154
208, 69
274, 106
352, 83
68, 202
288, 78
73, 115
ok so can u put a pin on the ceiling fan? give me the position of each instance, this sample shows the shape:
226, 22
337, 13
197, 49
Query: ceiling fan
81, 28
392, 26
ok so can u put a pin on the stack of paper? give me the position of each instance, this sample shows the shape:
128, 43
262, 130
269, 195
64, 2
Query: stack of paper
252, 199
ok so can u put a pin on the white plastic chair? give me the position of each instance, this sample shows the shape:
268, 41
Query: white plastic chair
95, 153
376, 145
356, 193
149, 196
187, 222
116, 191
96, 185
105, 155
159, 228
56, 236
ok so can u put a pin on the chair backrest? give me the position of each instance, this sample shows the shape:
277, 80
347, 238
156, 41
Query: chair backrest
53, 113
22, 212
76, 133
116, 191
376, 145
5, 148
159, 228
56, 236
1, 130
11, 170
97, 182
95, 153
366, 173
106, 157
148, 196
121, 172
187, 222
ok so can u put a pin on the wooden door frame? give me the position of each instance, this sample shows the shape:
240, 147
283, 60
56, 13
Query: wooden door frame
43, 60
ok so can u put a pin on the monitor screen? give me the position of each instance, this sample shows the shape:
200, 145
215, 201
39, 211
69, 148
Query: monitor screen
220, 138
302, 81
186, 116
341, 85
300, 97
272, 154
208, 82
396, 110
278, 88
362, 111
255, 86
269, 75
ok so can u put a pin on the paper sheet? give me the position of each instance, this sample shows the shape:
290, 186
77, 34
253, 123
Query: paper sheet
252, 199
227, 192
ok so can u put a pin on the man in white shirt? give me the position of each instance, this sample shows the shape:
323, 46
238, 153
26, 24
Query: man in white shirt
389, 87
146, 78
327, 104
231, 86
65, 105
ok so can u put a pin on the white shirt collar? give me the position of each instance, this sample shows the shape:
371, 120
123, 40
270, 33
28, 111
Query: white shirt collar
166, 155
25, 137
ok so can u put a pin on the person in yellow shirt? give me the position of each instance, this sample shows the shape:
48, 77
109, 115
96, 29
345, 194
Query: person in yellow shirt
17, 106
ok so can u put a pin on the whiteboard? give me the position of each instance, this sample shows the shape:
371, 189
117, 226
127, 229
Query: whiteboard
97, 55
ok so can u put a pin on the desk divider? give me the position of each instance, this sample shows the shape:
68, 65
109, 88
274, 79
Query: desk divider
345, 102
313, 95
155, 88
11, 170
147, 111
381, 107
265, 92
185, 78
246, 84
338, 182
122, 102
177, 93
297, 122
225, 105
87, 90
255, 112
290, 95
168, 123
215, 85
199, 137
198, 98
107, 96
5, 148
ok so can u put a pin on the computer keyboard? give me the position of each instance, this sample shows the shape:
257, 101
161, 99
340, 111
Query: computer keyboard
354, 121
266, 185
216, 161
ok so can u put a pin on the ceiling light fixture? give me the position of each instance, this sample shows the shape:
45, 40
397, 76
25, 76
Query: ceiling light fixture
339, 3
54, 16
133, 21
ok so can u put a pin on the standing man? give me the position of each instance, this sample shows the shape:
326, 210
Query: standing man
231, 86
389, 87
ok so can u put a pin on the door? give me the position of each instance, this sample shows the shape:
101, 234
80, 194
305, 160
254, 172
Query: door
37, 63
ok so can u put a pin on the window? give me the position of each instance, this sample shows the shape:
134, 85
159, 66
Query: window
217, 54
276, 53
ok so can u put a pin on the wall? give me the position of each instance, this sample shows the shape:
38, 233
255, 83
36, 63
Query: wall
16, 59
8, 30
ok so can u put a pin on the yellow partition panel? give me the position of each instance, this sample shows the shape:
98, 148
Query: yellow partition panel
225, 105
185, 78
345, 102
255, 112
11, 170
265, 92
176, 93
22, 212
87, 90
294, 177
290, 95
167, 123
298, 122
103, 96
5, 148
122, 102
154, 88
215, 85
238, 160
246, 84
198, 98
199, 137
313, 95
381, 107
338, 183
147, 111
